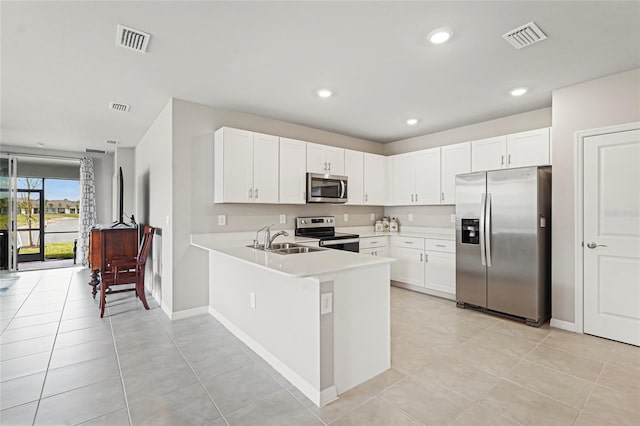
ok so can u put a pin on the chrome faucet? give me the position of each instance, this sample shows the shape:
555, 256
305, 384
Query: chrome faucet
256, 243
268, 239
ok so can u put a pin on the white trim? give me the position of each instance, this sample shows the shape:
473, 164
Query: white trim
578, 157
319, 398
564, 325
189, 312
166, 310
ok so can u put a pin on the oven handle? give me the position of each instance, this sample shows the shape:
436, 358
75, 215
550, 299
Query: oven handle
325, 243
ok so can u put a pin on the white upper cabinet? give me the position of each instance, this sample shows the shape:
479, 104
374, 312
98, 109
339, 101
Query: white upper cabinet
354, 170
325, 159
528, 148
246, 167
522, 149
489, 154
416, 178
375, 173
427, 176
456, 159
293, 161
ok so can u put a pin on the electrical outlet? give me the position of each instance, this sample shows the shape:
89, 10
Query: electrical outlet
346, 217
372, 216
283, 218
410, 217
252, 300
453, 218
168, 220
326, 303
222, 219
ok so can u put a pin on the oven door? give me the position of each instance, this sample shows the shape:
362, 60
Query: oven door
326, 188
351, 244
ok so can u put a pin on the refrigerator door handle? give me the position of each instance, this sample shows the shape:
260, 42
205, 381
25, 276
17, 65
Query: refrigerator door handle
487, 233
483, 209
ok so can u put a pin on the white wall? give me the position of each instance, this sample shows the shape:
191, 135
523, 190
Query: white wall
193, 210
603, 102
153, 201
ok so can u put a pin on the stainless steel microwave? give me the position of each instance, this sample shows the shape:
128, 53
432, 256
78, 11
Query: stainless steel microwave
326, 188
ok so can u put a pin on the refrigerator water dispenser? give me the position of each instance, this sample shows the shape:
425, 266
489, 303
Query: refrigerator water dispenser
470, 231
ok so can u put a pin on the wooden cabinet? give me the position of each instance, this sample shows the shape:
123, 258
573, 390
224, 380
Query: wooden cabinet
456, 159
246, 167
293, 162
325, 159
375, 172
416, 178
522, 149
528, 148
354, 170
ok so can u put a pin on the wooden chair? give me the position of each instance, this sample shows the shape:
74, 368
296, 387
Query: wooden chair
127, 270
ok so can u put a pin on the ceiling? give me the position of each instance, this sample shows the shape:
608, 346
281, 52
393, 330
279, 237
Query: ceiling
60, 66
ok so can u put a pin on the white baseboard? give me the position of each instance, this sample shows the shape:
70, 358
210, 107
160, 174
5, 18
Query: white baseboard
190, 312
564, 325
166, 310
319, 398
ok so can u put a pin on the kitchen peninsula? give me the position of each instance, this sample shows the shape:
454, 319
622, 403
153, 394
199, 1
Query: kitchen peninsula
321, 319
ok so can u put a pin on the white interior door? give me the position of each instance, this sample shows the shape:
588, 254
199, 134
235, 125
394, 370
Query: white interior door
612, 236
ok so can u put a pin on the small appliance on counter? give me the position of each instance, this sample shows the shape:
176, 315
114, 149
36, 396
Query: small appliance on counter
323, 228
385, 223
394, 226
379, 227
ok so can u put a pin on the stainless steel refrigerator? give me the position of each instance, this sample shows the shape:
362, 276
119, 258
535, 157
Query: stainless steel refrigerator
503, 242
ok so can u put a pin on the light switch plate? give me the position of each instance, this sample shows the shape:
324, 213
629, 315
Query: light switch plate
453, 218
222, 219
326, 303
252, 300
283, 218
410, 217
372, 216
346, 217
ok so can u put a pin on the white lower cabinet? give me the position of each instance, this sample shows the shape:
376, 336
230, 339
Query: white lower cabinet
440, 272
409, 265
375, 246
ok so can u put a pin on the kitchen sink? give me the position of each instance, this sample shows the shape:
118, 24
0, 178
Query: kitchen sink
287, 248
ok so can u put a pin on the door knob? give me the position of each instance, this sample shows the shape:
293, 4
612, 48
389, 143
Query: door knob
594, 245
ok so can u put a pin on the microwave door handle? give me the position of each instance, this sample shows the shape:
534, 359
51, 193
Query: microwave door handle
483, 209
344, 188
487, 234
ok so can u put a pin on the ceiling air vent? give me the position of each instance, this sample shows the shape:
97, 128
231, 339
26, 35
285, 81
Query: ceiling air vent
116, 106
94, 151
132, 39
525, 35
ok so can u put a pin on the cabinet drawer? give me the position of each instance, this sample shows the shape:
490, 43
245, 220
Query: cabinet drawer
371, 242
409, 242
441, 245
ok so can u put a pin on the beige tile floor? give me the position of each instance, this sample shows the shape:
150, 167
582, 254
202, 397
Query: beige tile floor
61, 364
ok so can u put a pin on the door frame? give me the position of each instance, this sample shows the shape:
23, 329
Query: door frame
579, 211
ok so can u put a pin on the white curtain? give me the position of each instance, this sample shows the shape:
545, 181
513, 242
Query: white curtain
87, 208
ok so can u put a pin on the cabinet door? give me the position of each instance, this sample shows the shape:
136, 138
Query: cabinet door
528, 148
456, 159
354, 170
293, 168
489, 154
374, 179
370, 251
234, 155
427, 176
403, 186
265, 168
440, 272
408, 267
382, 251
316, 159
335, 160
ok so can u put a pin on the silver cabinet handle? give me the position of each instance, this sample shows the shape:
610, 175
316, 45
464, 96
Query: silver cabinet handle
594, 245
509, 159
442, 196
426, 258
374, 242
502, 160
325, 166
408, 242
256, 193
420, 257
329, 165
440, 245
412, 198
366, 197
250, 193
416, 198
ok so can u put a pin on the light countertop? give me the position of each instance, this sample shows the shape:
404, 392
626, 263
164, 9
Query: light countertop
418, 232
294, 265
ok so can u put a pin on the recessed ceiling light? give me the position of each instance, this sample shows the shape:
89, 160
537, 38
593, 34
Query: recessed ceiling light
324, 93
519, 91
440, 35
412, 121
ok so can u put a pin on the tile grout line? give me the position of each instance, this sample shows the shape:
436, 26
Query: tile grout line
593, 388
115, 347
44, 382
22, 304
